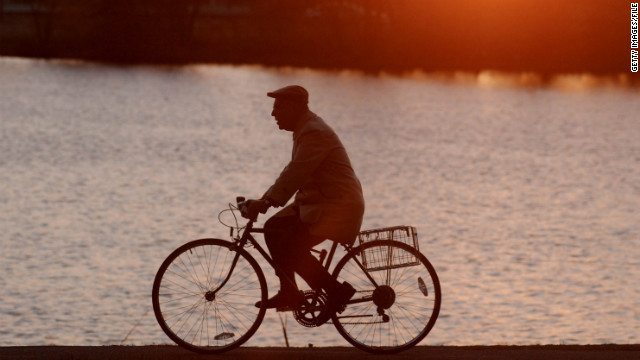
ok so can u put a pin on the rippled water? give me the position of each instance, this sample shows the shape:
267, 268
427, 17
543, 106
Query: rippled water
526, 199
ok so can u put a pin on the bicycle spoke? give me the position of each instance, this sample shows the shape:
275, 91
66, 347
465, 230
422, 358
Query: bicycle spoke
204, 306
410, 319
404, 272
396, 331
235, 310
235, 313
194, 326
181, 299
187, 270
204, 271
188, 312
188, 279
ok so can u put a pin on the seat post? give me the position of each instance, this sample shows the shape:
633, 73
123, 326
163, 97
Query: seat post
330, 257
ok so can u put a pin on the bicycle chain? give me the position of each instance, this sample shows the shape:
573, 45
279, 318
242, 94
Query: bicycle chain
300, 314
361, 323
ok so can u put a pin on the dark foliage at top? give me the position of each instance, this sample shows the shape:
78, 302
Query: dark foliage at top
543, 35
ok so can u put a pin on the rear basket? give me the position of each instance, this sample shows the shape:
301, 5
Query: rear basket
383, 258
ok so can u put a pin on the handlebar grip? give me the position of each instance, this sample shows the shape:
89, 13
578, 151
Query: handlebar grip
242, 206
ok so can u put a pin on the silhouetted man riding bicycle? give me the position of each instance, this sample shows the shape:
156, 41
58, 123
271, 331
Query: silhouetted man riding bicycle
328, 202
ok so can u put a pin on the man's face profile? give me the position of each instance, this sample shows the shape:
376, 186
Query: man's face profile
285, 114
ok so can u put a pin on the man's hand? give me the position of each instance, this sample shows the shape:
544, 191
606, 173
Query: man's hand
254, 207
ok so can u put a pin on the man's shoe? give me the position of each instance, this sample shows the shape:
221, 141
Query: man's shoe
339, 298
282, 301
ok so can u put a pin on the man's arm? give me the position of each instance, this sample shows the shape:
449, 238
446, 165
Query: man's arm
313, 148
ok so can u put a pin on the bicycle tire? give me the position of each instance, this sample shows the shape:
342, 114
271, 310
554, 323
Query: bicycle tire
190, 313
415, 306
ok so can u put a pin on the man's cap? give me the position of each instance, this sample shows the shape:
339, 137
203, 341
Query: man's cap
292, 92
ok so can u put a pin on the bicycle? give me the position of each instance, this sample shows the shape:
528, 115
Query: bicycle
204, 292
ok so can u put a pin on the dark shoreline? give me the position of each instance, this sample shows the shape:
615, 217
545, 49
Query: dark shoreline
526, 79
438, 37
499, 352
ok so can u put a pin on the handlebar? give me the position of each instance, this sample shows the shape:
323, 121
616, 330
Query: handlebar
241, 203
242, 207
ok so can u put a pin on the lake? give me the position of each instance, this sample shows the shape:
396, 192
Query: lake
526, 197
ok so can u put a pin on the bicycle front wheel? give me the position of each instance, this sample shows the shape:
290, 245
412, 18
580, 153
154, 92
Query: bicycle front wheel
397, 298
204, 295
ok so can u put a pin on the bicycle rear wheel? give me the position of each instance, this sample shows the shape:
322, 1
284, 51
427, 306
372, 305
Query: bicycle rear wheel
397, 313
192, 307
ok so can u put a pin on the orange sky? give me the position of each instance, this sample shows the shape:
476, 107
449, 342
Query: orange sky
561, 33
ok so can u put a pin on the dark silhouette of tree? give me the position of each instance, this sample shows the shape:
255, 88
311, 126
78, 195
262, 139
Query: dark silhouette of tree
44, 15
542, 35
161, 30
174, 19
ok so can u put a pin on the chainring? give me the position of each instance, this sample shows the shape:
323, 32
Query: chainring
314, 304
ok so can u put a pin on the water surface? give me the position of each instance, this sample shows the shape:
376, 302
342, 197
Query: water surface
526, 199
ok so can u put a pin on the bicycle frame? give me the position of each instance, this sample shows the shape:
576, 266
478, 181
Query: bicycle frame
248, 238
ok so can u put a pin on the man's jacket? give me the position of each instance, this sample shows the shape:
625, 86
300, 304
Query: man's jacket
329, 195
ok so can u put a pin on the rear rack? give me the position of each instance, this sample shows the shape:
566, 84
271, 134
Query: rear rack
383, 258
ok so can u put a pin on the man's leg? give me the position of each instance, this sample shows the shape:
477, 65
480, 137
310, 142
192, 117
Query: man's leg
290, 246
280, 232
312, 271
308, 265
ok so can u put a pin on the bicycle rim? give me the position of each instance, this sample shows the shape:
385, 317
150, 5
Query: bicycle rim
192, 313
413, 301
